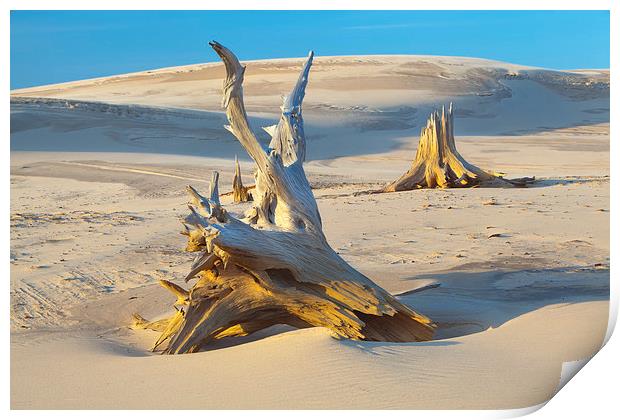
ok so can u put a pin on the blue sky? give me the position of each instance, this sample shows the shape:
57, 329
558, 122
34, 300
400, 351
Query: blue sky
58, 46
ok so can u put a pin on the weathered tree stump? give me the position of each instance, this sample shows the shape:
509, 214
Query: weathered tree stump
438, 164
274, 266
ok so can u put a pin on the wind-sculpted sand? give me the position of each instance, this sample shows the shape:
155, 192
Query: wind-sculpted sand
516, 279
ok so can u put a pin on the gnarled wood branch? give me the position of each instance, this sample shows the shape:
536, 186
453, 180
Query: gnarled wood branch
274, 266
438, 164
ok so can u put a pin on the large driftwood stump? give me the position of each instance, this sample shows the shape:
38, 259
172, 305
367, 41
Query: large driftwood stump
274, 266
438, 164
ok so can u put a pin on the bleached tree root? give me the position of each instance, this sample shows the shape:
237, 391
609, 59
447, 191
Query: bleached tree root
438, 164
273, 266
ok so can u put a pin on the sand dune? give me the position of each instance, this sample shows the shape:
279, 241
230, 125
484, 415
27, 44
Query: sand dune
377, 92
518, 280
309, 369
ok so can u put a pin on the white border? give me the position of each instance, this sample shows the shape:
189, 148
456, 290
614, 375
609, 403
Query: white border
593, 394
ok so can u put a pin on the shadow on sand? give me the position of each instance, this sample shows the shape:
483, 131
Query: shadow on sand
463, 302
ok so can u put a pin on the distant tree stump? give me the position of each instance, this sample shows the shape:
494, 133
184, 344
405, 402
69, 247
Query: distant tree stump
438, 164
274, 266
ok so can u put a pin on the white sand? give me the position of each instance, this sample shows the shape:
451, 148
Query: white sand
97, 191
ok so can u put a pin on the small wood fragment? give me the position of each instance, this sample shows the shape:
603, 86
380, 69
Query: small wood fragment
240, 193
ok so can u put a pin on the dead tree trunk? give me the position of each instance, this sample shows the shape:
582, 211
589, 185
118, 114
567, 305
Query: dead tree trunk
274, 266
438, 164
241, 194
